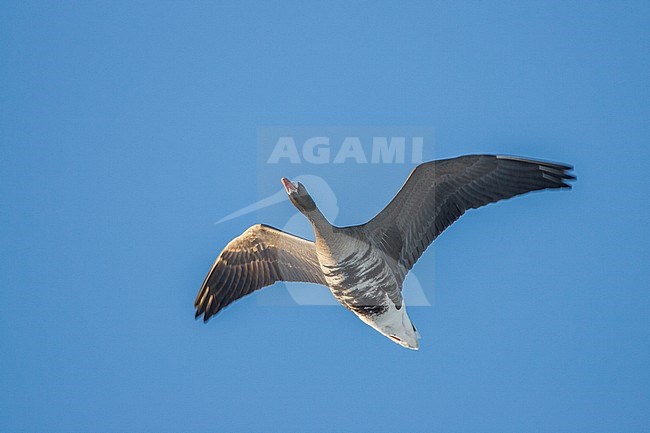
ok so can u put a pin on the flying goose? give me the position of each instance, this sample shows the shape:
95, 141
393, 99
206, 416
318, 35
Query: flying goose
364, 266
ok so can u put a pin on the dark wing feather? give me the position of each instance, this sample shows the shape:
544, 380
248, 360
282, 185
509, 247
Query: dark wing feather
257, 258
437, 193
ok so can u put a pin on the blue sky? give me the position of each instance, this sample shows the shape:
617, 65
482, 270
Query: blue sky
127, 130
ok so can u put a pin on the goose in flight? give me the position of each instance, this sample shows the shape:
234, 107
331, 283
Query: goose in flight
364, 266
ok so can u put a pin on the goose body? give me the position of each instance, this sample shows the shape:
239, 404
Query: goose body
359, 276
364, 266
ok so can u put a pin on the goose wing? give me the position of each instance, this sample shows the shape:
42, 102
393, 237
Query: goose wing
437, 193
257, 258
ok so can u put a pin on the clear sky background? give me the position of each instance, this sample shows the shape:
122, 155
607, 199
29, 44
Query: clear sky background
127, 130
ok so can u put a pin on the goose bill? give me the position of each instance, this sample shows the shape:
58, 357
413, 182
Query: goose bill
289, 186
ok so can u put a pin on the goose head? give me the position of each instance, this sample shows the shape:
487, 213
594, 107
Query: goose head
299, 196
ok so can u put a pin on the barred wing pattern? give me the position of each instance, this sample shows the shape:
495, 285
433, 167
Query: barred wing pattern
257, 258
437, 193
